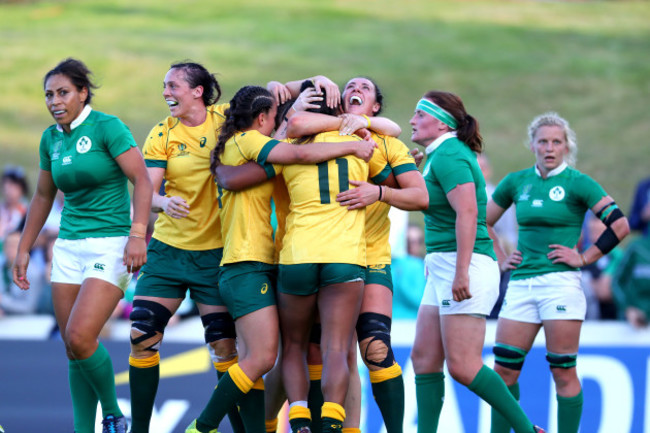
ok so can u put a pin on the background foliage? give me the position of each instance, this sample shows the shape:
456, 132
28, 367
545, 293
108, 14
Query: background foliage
509, 61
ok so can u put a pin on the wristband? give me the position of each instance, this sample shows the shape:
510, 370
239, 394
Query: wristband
137, 236
388, 193
379, 199
584, 261
367, 120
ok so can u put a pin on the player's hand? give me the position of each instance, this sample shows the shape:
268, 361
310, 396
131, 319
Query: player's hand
279, 91
417, 155
19, 270
350, 123
308, 99
364, 194
176, 207
511, 262
566, 255
460, 287
331, 89
135, 254
364, 149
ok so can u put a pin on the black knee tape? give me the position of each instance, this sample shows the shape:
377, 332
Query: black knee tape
315, 334
217, 326
556, 360
148, 317
377, 328
509, 356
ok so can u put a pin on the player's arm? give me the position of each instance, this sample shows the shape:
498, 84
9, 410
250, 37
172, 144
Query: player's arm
174, 206
409, 193
237, 178
617, 228
313, 153
37, 214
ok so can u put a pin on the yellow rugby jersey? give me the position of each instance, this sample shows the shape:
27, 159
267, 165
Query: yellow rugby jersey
397, 155
319, 229
184, 153
282, 201
246, 215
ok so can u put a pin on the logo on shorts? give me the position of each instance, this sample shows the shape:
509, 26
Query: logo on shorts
556, 193
561, 308
446, 302
84, 144
99, 267
380, 269
265, 288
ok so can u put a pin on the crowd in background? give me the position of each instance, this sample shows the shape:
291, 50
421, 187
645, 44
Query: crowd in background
617, 286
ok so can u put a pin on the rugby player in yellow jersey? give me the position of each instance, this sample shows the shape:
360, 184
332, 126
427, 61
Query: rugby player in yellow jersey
247, 282
186, 247
362, 100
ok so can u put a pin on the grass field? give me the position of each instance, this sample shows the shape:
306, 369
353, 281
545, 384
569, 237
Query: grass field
509, 61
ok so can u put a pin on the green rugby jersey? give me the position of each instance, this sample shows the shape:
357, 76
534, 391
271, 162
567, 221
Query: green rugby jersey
83, 166
451, 162
549, 211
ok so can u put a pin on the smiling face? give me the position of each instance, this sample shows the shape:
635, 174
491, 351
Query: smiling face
360, 97
178, 94
550, 147
426, 128
64, 101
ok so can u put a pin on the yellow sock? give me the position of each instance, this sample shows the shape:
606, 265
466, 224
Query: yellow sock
152, 361
315, 371
333, 410
385, 373
299, 412
271, 425
350, 430
259, 384
243, 382
222, 367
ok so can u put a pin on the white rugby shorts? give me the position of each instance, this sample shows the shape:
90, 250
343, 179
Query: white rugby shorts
74, 260
440, 269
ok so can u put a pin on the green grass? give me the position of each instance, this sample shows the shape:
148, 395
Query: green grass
509, 61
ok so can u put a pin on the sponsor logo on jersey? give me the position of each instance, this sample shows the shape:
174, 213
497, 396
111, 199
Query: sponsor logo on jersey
202, 141
556, 193
84, 144
561, 308
538, 203
99, 267
446, 302
524, 196
265, 288
67, 160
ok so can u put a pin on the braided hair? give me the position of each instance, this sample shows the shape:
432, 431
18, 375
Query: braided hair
248, 103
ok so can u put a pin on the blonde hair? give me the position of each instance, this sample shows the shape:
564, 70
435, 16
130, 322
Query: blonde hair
551, 118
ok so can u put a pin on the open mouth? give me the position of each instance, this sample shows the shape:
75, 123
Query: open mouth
171, 103
355, 100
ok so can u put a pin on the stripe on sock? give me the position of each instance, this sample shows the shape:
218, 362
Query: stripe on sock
333, 410
240, 379
315, 371
222, 367
152, 361
385, 373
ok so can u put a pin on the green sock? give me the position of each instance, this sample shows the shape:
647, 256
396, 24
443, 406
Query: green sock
143, 383
233, 414
569, 412
498, 424
98, 371
331, 425
251, 409
430, 394
490, 387
224, 397
84, 400
389, 396
315, 401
